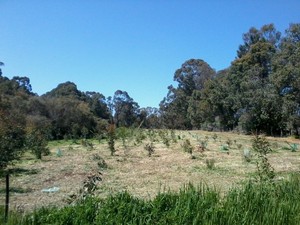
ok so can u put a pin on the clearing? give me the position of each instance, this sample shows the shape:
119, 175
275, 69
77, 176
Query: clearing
131, 169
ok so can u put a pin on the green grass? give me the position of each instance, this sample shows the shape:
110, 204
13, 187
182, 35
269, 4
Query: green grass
252, 203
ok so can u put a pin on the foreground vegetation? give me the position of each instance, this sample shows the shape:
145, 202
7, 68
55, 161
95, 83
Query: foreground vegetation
204, 178
253, 203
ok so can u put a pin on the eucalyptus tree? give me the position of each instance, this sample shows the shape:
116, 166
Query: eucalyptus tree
191, 76
125, 109
249, 81
286, 78
1, 64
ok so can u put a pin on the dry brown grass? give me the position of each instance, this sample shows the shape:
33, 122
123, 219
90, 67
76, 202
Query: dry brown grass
133, 170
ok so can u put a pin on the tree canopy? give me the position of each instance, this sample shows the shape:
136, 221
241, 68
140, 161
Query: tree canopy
258, 92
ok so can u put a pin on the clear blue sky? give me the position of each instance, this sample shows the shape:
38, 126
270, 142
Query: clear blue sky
131, 45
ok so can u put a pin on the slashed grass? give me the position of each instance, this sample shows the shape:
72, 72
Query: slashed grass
132, 170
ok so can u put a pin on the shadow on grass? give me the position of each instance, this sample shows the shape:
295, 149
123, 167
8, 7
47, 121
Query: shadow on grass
17, 190
19, 171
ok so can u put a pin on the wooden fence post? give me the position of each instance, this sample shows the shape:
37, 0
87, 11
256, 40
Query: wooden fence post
7, 198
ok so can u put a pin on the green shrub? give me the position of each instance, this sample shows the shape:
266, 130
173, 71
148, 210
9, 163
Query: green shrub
36, 142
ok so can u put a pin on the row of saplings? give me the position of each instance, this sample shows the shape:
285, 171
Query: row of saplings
263, 200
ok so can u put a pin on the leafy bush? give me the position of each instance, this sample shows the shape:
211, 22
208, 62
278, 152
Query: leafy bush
239, 146
12, 138
36, 142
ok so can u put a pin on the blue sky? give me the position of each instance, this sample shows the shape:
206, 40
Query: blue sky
131, 45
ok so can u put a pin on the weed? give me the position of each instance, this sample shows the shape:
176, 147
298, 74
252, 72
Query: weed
173, 136
88, 144
292, 147
101, 162
90, 184
149, 147
224, 148
210, 163
215, 137
203, 144
187, 146
239, 146
229, 142
59, 152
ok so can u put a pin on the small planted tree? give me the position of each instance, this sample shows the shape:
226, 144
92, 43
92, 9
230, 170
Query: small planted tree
163, 134
37, 133
187, 147
173, 136
262, 148
123, 133
111, 136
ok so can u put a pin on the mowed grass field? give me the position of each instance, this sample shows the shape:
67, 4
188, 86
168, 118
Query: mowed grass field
131, 169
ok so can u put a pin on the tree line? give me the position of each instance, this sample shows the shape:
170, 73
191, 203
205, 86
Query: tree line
259, 92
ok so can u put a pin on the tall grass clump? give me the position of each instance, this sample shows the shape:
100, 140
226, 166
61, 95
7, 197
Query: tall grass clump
262, 203
84, 212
